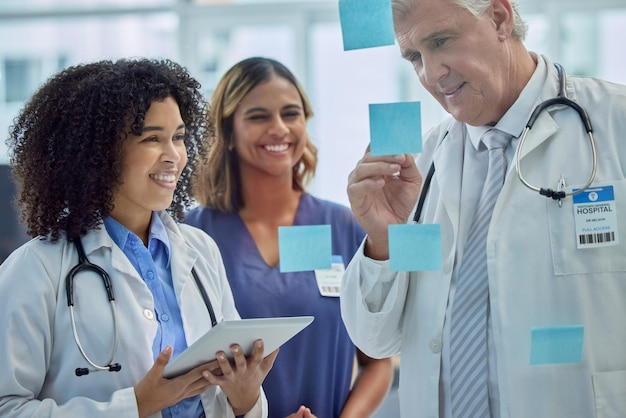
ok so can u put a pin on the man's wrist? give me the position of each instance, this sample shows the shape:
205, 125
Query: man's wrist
376, 251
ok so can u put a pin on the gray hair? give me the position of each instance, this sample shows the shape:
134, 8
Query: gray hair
401, 8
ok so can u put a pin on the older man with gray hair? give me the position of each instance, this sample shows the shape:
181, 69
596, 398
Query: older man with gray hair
525, 316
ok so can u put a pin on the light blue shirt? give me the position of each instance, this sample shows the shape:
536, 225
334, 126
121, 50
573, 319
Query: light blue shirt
154, 266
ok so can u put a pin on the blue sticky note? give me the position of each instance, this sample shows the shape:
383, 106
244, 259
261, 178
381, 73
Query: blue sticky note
415, 247
366, 23
554, 345
395, 128
304, 247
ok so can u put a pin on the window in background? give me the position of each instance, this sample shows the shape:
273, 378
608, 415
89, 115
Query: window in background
611, 46
208, 36
34, 5
585, 42
40, 47
537, 38
343, 84
204, 2
218, 49
21, 76
340, 84
580, 32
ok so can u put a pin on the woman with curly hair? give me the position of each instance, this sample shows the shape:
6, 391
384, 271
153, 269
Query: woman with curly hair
100, 156
254, 181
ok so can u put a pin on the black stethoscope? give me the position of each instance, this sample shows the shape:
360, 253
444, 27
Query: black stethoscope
85, 265
554, 194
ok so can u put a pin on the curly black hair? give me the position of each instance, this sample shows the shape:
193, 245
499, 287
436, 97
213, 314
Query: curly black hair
65, 145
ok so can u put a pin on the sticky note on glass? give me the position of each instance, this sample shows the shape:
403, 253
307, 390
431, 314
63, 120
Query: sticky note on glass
366, 23
415, 247
555, 345
304, 247
395, 128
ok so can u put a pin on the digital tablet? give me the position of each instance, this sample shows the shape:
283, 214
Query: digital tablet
273, 331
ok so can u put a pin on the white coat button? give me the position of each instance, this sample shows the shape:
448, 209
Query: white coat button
148, 314
435, 345
447, 267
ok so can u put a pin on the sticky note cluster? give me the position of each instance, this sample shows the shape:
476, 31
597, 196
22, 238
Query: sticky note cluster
395, 128
309, 247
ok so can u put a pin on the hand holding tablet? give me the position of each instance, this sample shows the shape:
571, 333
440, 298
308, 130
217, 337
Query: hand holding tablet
273, 331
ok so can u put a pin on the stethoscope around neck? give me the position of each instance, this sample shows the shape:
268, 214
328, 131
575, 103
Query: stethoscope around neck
584, 117
559, 194
84, 265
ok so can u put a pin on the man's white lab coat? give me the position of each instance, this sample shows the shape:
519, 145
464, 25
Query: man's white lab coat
537, 276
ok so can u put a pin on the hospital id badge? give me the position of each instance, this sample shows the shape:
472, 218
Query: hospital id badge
329, 280
596, 218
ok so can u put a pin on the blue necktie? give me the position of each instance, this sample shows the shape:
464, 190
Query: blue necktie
468, 332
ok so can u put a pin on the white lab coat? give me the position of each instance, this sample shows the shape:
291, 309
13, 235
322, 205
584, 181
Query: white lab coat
537, 277
38, 353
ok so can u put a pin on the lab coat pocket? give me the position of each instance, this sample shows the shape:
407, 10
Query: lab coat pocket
610, 394
567, 258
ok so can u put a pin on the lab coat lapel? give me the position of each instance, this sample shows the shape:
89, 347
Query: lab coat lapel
544, 127
448, 159
103, 251
183, 255
111, 254
195, 317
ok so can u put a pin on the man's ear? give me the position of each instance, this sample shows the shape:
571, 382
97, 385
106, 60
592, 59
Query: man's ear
502, 16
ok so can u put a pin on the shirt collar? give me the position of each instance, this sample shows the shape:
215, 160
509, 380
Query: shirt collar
120, 234
515, 119
158, 233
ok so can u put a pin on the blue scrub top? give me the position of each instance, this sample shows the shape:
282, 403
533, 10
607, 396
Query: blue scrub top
315, 367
